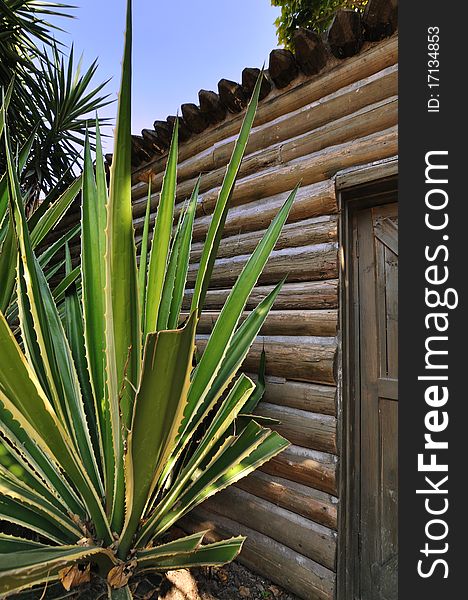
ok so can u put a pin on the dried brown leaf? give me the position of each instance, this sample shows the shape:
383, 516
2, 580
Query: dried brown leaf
119, 576
75, 575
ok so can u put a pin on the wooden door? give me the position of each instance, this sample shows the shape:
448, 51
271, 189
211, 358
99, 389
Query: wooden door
377, 278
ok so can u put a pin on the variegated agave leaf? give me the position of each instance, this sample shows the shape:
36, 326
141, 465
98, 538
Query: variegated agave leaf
112, 430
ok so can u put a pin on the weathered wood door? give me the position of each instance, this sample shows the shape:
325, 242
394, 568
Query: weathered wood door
376, 270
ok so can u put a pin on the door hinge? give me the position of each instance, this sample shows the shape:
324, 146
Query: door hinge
357, 247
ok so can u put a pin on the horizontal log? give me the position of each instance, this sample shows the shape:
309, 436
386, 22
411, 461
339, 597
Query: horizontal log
310, 397
282, 67
298, 533
368, 120
311, 201
261, 554
304, 295
302, 465
365, 121
305, 263
373, 60
379, 169
345, 33
309, 49
301, 427
264, 147
307, 232
283, 322
306, 358
313, 168
295, 497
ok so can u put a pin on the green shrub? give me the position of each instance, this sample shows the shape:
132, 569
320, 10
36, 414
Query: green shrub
312, 14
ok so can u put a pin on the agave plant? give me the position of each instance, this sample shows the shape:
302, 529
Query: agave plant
113, 430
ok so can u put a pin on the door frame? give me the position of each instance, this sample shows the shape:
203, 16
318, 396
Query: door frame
350, 200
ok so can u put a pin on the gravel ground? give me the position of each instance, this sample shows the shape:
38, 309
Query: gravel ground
231, 582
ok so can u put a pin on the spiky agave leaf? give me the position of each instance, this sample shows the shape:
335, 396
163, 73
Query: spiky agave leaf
109, 362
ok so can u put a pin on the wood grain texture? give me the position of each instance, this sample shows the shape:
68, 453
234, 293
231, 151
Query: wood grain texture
282, 322
295, 531
309, 467
309, 397
303, 428
304, 263
306, 358
300, 499
311, 201
308, 295
309, 231
312, 168
282, 565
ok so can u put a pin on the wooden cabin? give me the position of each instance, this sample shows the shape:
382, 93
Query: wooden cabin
321, 518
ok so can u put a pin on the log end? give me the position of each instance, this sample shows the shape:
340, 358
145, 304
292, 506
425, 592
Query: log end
195, 119
310, 51
282, 67
140, 151
249, 79
153, 142
211, 106
184, 131
345, 34
163, 131
232, 95
380, 19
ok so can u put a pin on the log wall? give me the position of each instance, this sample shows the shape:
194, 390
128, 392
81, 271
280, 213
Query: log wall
308, 131
337, 113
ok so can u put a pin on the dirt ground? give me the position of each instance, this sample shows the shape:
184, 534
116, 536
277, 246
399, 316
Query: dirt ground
231, 582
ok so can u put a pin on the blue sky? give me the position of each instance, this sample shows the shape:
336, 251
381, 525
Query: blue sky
180, 46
